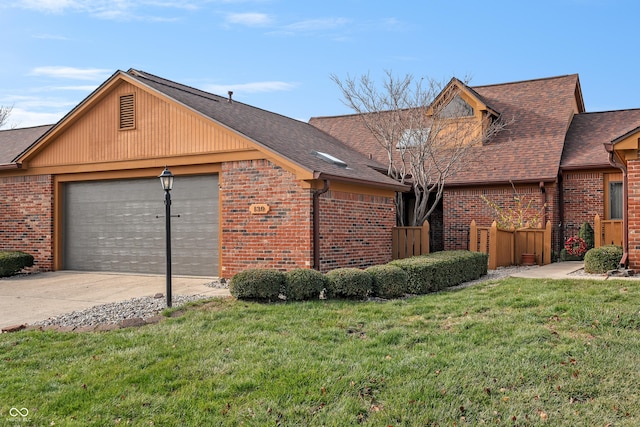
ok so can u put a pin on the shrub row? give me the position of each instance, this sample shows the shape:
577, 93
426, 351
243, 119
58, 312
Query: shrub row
12, 262
416, 275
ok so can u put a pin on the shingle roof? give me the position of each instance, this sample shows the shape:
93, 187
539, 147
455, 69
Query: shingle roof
588, 132
14, 141
292, 139
529, 149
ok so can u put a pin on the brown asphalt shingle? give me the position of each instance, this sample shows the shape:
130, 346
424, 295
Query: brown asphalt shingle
285, 137
588, 132
529, 149
14, 141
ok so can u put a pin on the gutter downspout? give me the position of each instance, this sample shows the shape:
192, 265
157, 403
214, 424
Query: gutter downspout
316, 224
625, 204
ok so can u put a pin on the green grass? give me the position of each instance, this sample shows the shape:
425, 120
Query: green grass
515, 353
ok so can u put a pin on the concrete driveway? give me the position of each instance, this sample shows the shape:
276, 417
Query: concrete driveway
34, 297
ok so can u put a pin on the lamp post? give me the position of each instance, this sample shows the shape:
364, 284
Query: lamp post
166, 179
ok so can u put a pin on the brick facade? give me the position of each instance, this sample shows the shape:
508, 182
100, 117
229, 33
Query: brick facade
355, 229
462, 205
282, 238
26, 209
633, 179
583, 196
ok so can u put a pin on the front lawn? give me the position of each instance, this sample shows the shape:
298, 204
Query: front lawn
516, 352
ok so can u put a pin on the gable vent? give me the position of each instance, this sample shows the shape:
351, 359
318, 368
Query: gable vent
127, 112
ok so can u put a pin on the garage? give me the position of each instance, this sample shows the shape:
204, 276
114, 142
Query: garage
119, 226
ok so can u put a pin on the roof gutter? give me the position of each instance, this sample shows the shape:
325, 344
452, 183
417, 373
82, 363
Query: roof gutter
8, 166
616, 162
395, 187
316, 223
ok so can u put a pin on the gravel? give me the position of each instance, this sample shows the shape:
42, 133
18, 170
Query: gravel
148, 307
117, 312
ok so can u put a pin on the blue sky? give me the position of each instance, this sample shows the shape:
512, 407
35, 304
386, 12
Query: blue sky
279, 54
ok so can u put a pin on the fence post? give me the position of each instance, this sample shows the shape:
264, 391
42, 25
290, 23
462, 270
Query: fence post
473, 236
425, 249
547, 244
597, 231
493, 246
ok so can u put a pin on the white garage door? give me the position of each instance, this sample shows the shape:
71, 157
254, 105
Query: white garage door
113, 226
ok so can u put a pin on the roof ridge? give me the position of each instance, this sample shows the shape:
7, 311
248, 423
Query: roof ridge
26, 128
527, 81
608, 111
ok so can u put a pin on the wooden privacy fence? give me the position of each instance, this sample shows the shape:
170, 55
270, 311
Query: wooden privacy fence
410, 241
505, 247
607, 232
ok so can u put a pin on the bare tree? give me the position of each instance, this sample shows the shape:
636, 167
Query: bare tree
5, 112
425, 131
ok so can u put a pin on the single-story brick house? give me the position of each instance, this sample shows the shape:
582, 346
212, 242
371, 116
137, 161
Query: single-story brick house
252, 188
552, 151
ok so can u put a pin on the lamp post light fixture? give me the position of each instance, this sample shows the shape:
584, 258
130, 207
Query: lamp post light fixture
166, 179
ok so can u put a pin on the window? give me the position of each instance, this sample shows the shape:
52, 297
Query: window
615, 200
413, 138
458, 107
127, 112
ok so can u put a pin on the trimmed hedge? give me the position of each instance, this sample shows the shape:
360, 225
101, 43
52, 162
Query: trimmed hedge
416, 275
389, 281
349, 283
602, 259
257, 283
303, 284
12, 262
440, 270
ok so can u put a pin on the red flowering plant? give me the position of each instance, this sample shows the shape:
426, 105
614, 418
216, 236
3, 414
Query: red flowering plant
576, 246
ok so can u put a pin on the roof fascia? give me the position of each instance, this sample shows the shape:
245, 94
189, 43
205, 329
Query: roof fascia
468, 93
388, 186
578, 95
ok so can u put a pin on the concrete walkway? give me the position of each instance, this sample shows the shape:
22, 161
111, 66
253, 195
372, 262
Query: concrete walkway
555, 270
34, 297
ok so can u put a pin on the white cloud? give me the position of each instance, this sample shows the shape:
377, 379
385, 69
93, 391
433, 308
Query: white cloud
22, 118
317, 24
254, 87
61, 72
248, 19
121, 10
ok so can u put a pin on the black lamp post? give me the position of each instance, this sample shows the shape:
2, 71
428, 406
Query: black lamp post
166, 179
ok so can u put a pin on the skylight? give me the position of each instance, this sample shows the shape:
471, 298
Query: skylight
330, 159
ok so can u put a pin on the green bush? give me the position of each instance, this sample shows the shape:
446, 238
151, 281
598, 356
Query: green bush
419, 273
349, 283
565, 256
586, 234
303, 284
439, 270
602, 259
389, 281
12, 262
257, 283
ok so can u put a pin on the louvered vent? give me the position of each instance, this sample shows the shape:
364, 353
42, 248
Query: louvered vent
127, 112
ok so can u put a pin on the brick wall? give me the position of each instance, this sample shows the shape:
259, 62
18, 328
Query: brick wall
633, 177
462, 205
355, 229
282, 238
26, 217
583, 194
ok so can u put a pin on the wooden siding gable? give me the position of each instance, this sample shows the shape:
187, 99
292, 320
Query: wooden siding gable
94, 134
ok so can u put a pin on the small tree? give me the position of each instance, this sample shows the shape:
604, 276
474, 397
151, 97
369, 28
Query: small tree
5, 112
424, 131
